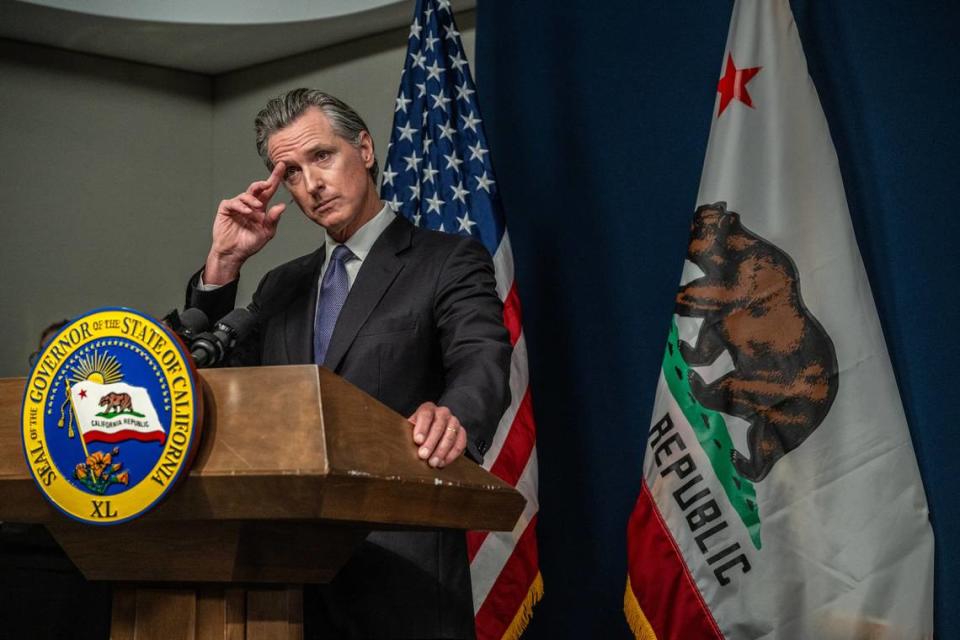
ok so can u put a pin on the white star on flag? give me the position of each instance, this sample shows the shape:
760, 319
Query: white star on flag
428, 173
464, 92
459, 193
453, 162
477, 152
431, 40
421, 89
451, 32
427, 141
419, 60
434, 71
402, 103
484, 182
388, 176
415, 190
466, 224
394, 203
413, 162
446, 131
435, 203
470, 122
406, 132
440, 101
415, 30
457, 62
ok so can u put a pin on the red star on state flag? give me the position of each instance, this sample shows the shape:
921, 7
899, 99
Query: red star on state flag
83, 393
733, 84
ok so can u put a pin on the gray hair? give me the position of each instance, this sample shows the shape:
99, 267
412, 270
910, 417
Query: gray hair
283, 110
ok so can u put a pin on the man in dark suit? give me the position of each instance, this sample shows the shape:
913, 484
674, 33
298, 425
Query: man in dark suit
408, 315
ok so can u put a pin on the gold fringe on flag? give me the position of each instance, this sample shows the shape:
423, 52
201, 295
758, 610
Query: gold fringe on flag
522, 619
638, 622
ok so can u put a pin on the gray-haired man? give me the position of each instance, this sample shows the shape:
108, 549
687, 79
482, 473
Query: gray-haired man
410, 316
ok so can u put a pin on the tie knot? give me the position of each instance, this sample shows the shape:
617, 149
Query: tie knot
341, 254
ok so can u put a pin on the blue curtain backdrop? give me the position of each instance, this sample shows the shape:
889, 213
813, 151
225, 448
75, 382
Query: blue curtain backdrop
598, 116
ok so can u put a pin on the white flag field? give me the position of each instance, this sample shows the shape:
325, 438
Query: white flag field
115, 413
781, 497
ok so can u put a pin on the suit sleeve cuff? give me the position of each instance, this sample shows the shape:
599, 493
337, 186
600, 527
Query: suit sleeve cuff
464, 408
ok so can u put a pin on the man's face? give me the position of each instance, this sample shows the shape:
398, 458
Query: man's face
325, 174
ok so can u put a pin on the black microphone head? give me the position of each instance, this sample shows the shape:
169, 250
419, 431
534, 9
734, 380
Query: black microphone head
193, 321
237, 324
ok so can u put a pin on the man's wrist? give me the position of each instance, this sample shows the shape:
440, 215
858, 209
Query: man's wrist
220, 269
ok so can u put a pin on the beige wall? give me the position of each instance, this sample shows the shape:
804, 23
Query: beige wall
102, 164
110, 172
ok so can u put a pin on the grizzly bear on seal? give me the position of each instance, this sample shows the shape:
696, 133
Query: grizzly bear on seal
785, 377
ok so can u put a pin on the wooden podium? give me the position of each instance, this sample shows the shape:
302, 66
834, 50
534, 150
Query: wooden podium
295, 467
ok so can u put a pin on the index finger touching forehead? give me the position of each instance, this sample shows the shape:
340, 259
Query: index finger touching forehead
276, 177
277, 174
269, 186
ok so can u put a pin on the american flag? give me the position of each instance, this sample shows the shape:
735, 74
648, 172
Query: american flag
438, 174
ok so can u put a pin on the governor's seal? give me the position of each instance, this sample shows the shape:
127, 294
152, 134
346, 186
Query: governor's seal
111, 416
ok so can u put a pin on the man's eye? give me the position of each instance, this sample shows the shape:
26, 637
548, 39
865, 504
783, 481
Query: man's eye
322, 155
291, 175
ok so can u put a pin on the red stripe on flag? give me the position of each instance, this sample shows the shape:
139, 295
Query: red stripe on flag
124, 434
512, 460
511, 314
513, 457
661, 582
511, 588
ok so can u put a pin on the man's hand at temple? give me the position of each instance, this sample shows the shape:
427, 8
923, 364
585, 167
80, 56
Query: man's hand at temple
243, 225
438, 433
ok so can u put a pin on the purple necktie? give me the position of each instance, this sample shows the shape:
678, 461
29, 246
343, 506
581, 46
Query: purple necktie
333, 291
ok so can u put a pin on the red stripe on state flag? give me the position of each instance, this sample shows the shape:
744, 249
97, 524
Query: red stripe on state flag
661, 583
512, 588
511, 314
123, 435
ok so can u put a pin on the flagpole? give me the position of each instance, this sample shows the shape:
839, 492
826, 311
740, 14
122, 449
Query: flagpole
76, 419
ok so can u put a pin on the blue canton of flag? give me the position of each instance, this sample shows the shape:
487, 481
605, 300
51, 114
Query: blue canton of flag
438, 172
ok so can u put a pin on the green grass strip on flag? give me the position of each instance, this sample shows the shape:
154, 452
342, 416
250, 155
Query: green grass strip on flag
120, 413
711, 431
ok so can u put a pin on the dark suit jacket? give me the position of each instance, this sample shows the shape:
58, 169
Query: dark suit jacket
422, 322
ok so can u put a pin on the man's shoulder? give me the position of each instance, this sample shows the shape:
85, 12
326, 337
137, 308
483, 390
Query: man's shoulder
442, 244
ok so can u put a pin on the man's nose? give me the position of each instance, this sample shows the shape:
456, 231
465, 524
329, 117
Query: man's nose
314, 181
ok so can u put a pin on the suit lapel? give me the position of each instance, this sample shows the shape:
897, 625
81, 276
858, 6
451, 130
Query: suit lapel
298, 323
376, 275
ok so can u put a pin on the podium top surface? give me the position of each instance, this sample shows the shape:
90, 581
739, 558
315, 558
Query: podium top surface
292, 443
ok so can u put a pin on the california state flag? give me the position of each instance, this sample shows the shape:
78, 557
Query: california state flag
781, 496
115, 413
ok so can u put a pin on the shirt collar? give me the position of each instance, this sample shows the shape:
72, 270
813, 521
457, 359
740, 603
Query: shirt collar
362, 240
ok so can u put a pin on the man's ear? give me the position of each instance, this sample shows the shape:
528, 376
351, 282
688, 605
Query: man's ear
366, 149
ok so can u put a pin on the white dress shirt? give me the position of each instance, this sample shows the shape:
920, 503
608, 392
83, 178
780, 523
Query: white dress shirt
359, 243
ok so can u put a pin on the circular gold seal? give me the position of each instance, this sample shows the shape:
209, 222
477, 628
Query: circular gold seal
111, 416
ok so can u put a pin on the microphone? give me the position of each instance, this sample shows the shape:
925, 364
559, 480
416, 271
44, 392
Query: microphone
212, 347
193, 322
189, 324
